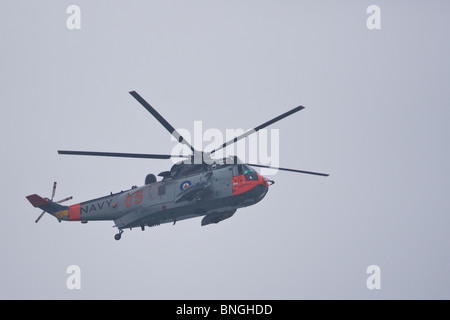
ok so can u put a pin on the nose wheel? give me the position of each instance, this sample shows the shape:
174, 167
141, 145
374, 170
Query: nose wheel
117, 236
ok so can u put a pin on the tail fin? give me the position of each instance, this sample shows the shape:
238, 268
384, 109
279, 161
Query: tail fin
51, 207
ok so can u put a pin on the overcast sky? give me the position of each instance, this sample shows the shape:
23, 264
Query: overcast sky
376, 118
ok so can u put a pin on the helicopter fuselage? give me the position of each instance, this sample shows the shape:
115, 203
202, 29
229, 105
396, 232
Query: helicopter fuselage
215, 194
197, 186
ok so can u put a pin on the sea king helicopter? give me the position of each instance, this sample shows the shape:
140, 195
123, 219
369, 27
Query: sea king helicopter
198, 186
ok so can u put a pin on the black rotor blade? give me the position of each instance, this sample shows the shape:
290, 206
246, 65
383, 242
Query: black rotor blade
291, 170
64, 200
265, 124
54, 190
161, 120
40, 216
121, 155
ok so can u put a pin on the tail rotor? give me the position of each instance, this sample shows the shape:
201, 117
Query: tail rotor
51, 200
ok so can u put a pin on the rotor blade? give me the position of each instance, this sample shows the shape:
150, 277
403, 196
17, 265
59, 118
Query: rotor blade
265, 124
54, 190
121, 155
64, 200
291, 170
40, 216
161, 120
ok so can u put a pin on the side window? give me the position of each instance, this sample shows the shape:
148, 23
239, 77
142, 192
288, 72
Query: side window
240, 169
250, 175
161, 190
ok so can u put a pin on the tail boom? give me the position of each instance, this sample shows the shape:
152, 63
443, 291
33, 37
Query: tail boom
59, 211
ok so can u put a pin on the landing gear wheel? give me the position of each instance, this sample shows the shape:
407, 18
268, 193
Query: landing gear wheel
118, 235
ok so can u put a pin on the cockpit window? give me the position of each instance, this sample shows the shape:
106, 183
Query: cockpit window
249, 173
247, 169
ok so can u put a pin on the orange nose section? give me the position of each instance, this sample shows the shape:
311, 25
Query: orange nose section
241, 184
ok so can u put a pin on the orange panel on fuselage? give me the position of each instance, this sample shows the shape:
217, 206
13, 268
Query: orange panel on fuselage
74, 212
240, 185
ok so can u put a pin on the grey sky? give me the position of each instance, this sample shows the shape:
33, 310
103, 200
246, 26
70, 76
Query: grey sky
376, 119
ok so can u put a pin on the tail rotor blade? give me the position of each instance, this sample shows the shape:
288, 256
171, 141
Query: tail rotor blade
40, 216
64, 200
54, 190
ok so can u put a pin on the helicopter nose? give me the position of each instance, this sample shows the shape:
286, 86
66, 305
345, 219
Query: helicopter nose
267, 182
261, 189
264, 181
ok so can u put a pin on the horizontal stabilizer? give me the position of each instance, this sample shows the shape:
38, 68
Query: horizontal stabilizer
37, 201
45, 204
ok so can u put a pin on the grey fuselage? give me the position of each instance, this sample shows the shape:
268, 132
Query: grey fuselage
216, 193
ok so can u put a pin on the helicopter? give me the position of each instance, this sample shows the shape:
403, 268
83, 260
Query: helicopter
198, 186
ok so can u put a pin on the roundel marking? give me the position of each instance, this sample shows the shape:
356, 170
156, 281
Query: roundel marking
185, 184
